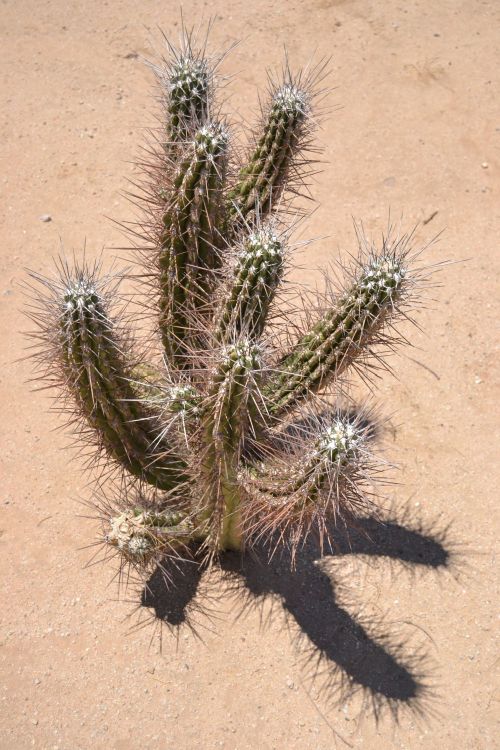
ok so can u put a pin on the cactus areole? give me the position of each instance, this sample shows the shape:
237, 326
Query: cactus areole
224, 429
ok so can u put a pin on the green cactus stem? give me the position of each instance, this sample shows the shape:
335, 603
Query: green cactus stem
190, 235
342, 335
229, 411
261, 182
313, 484
187, 88
93, 362
254, 280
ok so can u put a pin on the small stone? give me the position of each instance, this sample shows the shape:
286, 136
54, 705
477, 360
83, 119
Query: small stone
45, 217
485, 165
478, 380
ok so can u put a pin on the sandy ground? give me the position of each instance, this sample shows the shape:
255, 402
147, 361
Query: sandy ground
416, 129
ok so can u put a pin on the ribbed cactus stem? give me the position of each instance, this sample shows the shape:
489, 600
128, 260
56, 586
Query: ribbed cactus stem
262, 180
324, 466
187, 88
342, 335
141, 535
253, 283
93, 363
228, 417
190, 234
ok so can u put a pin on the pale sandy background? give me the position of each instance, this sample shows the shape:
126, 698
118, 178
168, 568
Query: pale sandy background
418, 130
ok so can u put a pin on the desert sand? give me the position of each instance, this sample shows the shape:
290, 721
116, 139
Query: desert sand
388, 645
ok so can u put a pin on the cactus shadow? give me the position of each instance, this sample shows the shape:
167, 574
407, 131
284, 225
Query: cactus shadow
349, 655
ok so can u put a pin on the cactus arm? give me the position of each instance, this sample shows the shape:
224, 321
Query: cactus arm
313, 484
226, 419
341, 336
252, 286
142, 535
189, 235
261, 182
96, 374
187, 86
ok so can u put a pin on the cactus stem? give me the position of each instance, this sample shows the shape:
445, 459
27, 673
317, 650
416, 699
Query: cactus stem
263, 179
226, 420
317, 479
371, 302
253, 282
189, 236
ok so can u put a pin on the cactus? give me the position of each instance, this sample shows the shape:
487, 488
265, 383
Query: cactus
218, 431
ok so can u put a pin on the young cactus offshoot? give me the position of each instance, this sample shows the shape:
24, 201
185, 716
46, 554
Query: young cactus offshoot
206, 432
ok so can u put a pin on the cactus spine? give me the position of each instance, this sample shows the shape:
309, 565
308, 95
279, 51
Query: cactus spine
209, 439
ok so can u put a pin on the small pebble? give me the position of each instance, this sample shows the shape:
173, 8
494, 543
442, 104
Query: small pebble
485, 165
45, 217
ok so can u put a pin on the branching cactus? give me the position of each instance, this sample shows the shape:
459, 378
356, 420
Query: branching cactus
226, 430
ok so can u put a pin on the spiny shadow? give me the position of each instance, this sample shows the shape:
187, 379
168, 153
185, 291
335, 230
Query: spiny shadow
387, 672
388, 538
171, 604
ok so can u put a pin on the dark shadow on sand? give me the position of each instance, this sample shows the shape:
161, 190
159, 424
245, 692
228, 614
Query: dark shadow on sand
385, 673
